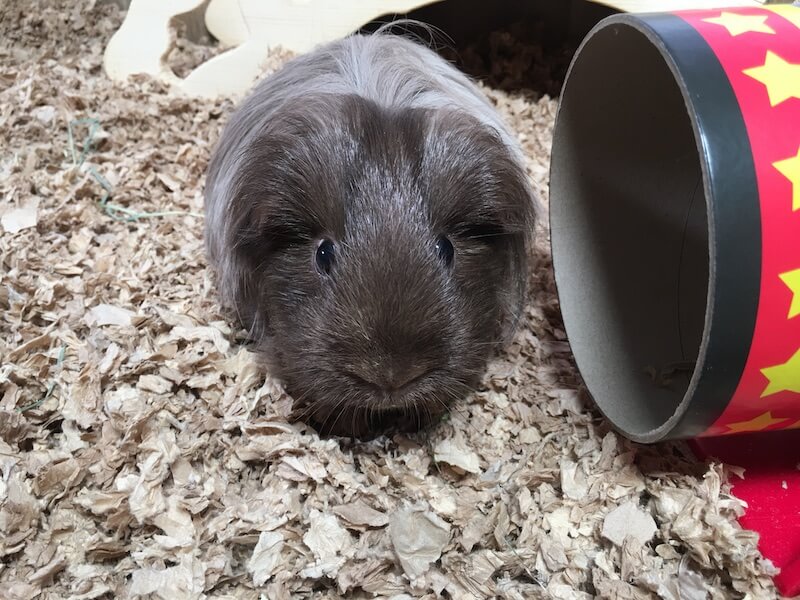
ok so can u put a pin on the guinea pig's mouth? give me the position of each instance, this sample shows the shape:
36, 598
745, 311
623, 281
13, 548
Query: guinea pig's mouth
405, 395
353, 406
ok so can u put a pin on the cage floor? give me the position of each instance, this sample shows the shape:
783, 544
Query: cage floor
143, 453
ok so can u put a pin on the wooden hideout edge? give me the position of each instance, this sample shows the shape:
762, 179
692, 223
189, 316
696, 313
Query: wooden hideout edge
252, 27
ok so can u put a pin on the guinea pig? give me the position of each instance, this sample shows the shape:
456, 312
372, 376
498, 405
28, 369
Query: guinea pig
370, 220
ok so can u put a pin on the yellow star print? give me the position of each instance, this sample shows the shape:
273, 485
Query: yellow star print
739, 24
792, 280
790, 13
790, 168
781, 77
784, 377
760, 423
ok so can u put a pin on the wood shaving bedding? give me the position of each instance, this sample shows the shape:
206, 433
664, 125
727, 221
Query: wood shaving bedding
143, 454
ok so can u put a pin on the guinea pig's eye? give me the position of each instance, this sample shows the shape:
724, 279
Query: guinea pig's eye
444, 249
324, 256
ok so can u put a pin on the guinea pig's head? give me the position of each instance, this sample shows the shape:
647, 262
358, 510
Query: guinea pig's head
382, 255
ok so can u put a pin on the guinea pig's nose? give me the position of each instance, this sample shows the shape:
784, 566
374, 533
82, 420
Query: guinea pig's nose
393, 377
398, 377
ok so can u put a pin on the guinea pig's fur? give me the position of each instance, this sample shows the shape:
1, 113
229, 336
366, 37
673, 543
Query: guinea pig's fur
380, 146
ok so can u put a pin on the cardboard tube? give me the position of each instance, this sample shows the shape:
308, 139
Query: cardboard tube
671, 227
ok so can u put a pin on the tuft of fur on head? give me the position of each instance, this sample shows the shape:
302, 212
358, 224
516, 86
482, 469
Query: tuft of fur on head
378, 145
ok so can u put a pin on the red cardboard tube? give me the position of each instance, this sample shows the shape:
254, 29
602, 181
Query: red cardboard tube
675, 220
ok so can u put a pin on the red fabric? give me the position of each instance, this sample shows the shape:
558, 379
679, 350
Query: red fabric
771, 488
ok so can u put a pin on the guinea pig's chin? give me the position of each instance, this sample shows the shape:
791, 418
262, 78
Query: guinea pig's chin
366, 416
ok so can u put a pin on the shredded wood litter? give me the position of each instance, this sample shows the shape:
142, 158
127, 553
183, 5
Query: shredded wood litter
144, 455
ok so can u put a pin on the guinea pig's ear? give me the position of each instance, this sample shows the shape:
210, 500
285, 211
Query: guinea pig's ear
261, 229
481, 188
485, 231
483, 195
286, 190
260, 223
268, 204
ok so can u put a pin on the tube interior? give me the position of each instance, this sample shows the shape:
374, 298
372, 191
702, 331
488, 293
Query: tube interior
629, 230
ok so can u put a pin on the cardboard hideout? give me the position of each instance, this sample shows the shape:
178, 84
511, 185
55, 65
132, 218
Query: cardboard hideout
629, 230
672, 223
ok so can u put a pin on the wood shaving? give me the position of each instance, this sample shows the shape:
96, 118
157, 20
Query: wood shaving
144, 454
454, 451
627, 521
17, 219
266, 557
418, 537
330, 544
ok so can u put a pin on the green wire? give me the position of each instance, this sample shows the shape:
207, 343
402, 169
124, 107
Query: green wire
115, 211
50, 389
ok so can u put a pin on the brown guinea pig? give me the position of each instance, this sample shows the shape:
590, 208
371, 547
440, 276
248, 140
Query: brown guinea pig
370, 218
